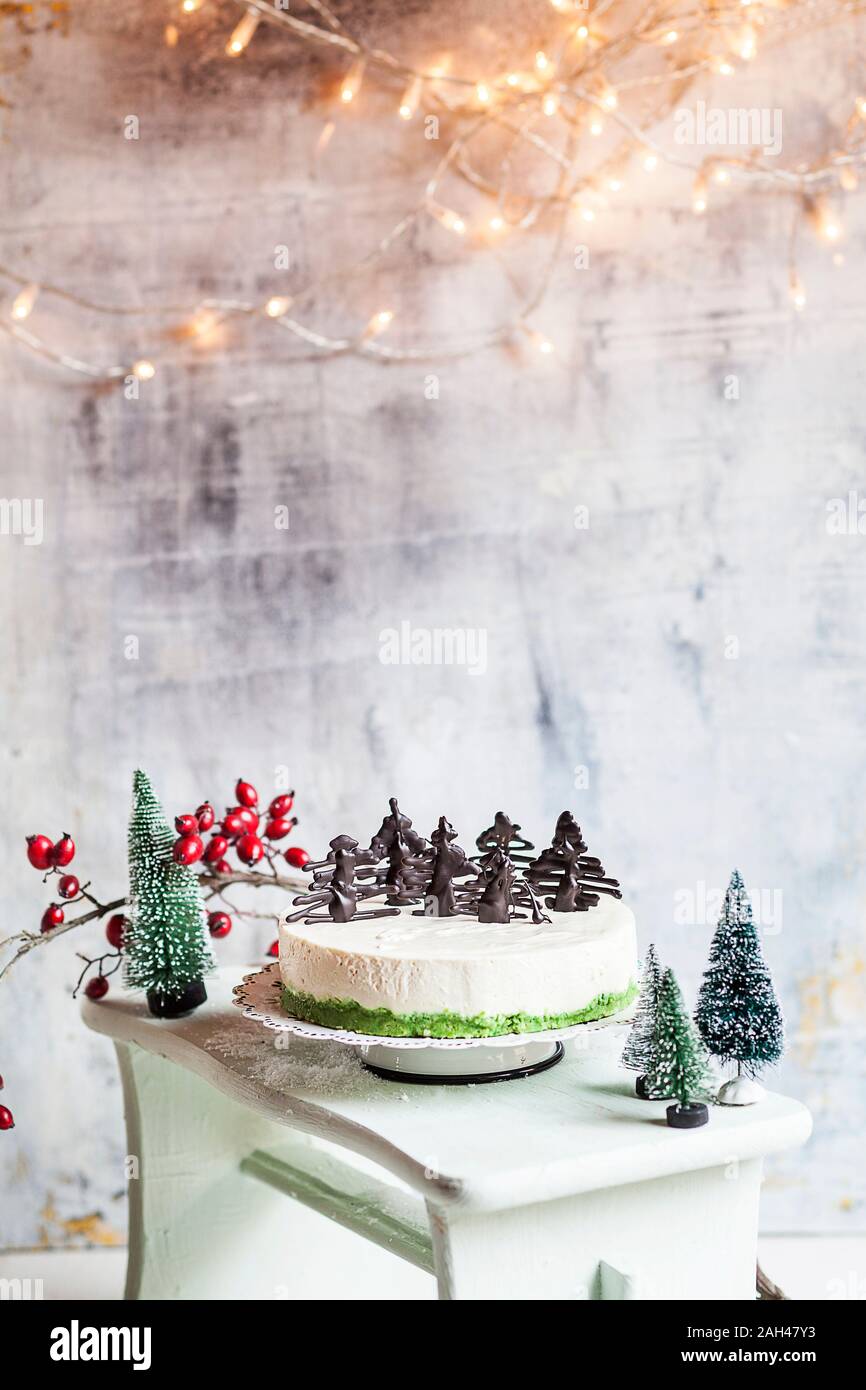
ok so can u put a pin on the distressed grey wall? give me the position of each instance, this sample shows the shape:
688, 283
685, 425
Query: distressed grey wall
608, 647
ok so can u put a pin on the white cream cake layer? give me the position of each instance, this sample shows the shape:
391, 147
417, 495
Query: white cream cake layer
412, 964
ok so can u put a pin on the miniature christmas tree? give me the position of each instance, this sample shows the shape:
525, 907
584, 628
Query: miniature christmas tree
165, 949
640, 1048
738, 1014
680, 1064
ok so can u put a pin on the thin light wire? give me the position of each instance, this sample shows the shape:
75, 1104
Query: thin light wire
581, 85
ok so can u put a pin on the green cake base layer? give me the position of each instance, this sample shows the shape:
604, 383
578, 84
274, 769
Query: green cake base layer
345, 1013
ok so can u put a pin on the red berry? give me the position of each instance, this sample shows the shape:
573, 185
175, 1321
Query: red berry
233, 823
279, 828
187, 849
6, 1120
297, 857
250, 848
115, 929
216, 848
246, 793
186, 825
205, 817
249, 818
281, 805
52, 917
274, 948
39, 851
223, 867
97, 988
63, 852
219, 923
68, 886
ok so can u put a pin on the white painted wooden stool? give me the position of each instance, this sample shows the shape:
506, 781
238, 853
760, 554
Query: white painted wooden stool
559, 1186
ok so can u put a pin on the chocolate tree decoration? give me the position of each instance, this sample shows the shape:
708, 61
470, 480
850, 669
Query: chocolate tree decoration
165, 946
407, 871
334, 885
496, 902
449, 862
640, 1049
679, 1063
738, 1014
505, 835
564, 869
393, 825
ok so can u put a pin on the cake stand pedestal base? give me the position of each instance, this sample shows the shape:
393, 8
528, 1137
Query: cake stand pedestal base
436, 1066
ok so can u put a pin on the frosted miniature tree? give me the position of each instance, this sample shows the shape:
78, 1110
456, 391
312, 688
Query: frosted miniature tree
640, 1047
679, 1068
165, 947
738, 1014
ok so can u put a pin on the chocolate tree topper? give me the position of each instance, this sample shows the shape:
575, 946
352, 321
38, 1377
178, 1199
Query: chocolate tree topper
505, 835
404, 868
334, 885
392, 826
450, 861
565, 870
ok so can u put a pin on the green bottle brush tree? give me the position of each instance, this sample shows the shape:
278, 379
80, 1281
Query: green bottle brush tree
738, 1014
165, 947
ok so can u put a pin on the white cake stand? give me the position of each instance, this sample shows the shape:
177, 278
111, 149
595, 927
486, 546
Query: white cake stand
427, 1061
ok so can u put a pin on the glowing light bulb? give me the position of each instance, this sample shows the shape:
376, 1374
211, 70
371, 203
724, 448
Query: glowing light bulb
242, 33
482, 92
860, 105
496, 223
204, 323
411, 97
748, 45
614, 185
848, 179
22, 305
722, 176
143, 369
550, 104
171, 35
542, 62
823, 219
278, 305
448, 218
670, 37
352, 81
190, 6
596, 125
609, 100
538, 341
651, 162
582, 32
378, 323
724, 68
699, 195
560, 5
512, 79
797, 291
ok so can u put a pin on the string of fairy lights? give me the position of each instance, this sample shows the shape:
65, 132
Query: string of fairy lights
553, 143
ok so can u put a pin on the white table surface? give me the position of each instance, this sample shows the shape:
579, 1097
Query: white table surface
573, 1129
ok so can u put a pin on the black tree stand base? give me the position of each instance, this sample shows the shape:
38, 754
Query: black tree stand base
687, 1116
640, 1088
177, 1005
